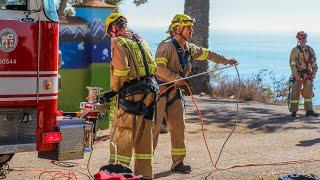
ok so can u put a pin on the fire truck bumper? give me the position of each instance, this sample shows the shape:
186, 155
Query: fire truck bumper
71, 146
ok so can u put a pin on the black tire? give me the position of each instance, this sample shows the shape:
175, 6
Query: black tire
4, 158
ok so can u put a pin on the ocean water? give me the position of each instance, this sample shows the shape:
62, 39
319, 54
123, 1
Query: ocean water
254, 51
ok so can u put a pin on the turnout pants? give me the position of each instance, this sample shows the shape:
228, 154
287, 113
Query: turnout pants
175, 123
132, 135
307, 95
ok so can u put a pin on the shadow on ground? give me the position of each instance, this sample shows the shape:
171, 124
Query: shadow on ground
253, 115
309, 142
163, 174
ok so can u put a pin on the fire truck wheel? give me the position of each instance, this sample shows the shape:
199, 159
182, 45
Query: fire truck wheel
5, 158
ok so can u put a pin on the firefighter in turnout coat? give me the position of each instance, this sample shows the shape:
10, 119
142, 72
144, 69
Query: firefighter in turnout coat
132, 78
174, 57
304, 69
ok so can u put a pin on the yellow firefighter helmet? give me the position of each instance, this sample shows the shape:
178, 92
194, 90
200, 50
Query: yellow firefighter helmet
181, 20
170, 29
112, 18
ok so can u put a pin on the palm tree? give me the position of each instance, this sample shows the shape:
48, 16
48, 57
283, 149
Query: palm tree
199, 9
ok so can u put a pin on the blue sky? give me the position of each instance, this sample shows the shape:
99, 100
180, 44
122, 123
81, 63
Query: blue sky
231, 15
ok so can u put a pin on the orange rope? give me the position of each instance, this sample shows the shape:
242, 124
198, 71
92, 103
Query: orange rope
167, 88
202, 127
59, 175
55, 174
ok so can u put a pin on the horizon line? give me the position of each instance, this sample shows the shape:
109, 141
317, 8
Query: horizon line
266, 31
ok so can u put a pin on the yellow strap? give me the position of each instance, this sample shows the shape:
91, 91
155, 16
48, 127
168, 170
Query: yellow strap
307, 100
294, 101
179, 151
161, 60
152, 69
192, 51
121, 72
143, 156
301, 55
121, 158
293, 63
121, 42
204, 55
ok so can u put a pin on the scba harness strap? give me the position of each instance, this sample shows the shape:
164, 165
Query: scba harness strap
183, 56
301, 54
167, 93
142, 86
307, 61
146, 85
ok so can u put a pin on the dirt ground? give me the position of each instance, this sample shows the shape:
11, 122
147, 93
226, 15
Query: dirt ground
266, 134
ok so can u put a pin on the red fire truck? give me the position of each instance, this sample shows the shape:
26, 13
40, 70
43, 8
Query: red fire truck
29, 84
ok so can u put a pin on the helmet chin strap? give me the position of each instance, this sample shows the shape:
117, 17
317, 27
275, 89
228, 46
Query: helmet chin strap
181, 35
115, 32
302, 45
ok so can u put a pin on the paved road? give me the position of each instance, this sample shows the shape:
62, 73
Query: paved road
265, 134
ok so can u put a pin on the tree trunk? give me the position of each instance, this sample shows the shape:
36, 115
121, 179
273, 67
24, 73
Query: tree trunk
199, 9
62, 7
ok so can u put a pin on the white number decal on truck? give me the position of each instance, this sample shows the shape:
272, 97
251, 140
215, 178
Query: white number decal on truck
8, 61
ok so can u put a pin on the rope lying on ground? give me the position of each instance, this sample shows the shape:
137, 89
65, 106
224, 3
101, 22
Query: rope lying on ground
54, 173
59, 175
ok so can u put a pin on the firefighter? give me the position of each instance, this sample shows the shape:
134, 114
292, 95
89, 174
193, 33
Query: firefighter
132, 77
174, 57
304, 69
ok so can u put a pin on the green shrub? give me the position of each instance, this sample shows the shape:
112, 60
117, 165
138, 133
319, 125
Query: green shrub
263, 86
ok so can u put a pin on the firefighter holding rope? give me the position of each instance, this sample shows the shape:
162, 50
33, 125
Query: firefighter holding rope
173, 57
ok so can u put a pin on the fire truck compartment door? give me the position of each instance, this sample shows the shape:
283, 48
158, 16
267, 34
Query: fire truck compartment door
19, 56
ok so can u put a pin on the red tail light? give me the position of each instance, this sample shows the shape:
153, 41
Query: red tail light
52, 137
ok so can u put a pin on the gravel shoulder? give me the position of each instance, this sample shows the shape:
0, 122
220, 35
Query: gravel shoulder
265, 134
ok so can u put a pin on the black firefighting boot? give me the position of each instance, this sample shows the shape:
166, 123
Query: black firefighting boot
294, 114
311, 113
182, 167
